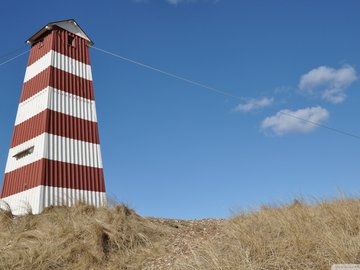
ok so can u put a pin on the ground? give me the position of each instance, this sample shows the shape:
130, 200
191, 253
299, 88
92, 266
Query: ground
183, 241
290, 237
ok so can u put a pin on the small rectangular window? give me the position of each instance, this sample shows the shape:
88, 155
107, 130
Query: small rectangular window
71, 41
24, 153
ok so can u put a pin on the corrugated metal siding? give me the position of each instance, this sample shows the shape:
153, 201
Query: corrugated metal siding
79, 51
72, 127
39, 144
58, 117
73, 151
32, 106
70, 65
69, 197
28, 200
59, 101
72, 84
24, 178
56, 148
73, 105
36, 84
29, 129
41, 48
40, 197
35, 68
53, 173
59, 61
58, 79
57, 124
57, 41
66, 175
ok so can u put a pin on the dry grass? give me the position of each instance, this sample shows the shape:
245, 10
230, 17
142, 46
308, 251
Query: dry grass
81, 237
295, 236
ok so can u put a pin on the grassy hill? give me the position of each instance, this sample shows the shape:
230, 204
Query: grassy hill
295, 236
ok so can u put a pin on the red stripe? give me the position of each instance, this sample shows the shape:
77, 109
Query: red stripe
36, 84
57, 124
60, 80
41, 48
78, 51
22, 179
57, 40
72, 127
29, 129
55, 174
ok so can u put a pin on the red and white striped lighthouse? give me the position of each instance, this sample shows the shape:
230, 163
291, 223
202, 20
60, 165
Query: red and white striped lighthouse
55, 158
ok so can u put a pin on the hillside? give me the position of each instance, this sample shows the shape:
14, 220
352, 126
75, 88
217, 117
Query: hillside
295, 236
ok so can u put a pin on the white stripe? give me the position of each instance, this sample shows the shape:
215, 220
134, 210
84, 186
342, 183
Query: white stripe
32, 106
38, 153
38, 198
69, 197
55, 148
72, 66
24, 202
59, 61
59, 101
38, 66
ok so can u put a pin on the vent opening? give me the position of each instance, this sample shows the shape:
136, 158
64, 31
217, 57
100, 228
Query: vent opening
24, 153
71, 40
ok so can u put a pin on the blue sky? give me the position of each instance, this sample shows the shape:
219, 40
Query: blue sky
173, 149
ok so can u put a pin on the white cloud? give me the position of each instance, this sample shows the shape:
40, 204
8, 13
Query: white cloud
328, 82
300, 121
254, 104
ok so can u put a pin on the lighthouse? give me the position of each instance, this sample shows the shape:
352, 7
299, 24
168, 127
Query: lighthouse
54, 157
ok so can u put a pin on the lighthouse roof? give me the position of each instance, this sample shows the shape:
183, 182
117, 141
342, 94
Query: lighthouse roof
69, 25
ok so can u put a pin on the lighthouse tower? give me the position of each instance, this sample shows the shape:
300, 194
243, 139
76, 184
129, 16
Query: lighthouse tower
54, 157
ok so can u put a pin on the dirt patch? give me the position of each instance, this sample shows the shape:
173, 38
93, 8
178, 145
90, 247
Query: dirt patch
185, 240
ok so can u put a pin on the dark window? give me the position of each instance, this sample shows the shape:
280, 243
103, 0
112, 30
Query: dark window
70, 40
24, 153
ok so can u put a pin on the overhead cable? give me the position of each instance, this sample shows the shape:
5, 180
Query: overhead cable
13, 58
